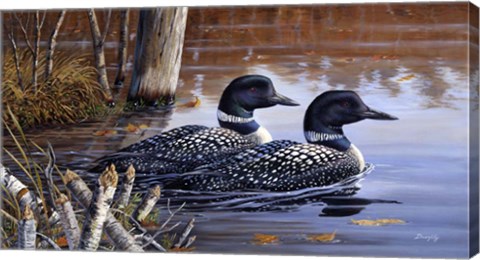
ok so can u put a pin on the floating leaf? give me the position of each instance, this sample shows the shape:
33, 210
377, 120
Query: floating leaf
324, 237
384, 57
193, 103
408, 77
310, 53
131, 128
377, 222
143, 126
264, 239
62, 241
105, 132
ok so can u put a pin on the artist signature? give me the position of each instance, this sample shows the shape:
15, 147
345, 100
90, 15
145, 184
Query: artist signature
429, 238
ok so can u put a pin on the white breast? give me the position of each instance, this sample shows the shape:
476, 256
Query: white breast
260, 136
353, 150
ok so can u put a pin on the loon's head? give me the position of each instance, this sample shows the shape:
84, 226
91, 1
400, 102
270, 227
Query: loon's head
242, 96
327, 114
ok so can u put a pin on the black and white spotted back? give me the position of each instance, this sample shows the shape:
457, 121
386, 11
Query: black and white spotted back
291, 168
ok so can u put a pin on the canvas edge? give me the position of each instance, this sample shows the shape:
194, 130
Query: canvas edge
473, 60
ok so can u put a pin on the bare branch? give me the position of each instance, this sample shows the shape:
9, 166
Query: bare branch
50, 241
107, 26
24, 31
11, 37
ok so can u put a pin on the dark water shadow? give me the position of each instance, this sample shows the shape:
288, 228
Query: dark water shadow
256, 201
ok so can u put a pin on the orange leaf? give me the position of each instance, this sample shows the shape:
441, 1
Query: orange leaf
105, 132
408, 77
325, 237
264, 239
131, 128
193, 103
143, 126
62, 241
377, 222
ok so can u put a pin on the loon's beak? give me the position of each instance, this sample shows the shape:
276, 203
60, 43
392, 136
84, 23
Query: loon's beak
378, 115
279, 99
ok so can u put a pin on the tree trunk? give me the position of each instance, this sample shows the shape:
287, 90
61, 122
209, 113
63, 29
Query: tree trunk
98, 210
36, 49
68, 220
122, 48
13, 41
127, 186
158, 54
52, 43
27, 230
99, 53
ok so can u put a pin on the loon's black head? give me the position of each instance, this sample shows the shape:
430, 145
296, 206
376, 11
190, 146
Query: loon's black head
330, 111
249, 92
242, 96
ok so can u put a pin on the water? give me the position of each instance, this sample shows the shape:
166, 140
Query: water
405, 59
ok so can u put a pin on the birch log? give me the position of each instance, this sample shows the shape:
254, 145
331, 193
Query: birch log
27, 230
17, 189
158, 54
114, 229
147, 204
99, 53
122, 48
127, 187
98, 209
68, 221
52, 43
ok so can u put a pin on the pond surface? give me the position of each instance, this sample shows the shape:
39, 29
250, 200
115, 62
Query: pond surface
407, 60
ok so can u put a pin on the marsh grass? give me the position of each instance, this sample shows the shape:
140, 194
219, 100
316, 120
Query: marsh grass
69, 95
33, 170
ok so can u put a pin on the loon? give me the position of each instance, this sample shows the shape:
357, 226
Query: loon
184, 148
327, 158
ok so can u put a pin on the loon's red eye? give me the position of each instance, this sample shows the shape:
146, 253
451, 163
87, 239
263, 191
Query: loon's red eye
345, 104
253, 90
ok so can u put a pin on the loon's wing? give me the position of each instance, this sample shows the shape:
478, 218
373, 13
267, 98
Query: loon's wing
205, 146
249, 155
154, 143
137, 153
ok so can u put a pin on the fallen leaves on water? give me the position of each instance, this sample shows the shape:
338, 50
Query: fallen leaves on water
62, 241
324, 237
377, 222
193, 103
384, 57
108, 132
132, 128
264, 239
405, 78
